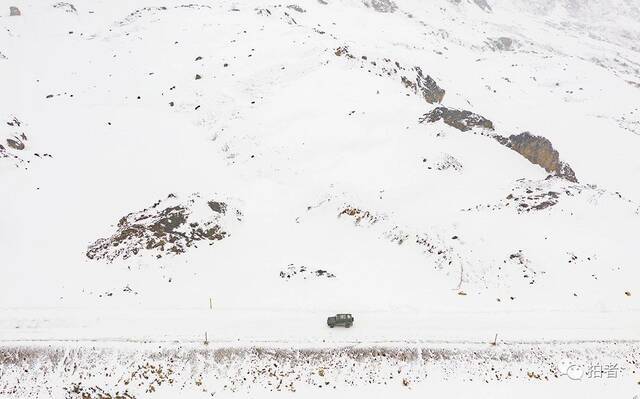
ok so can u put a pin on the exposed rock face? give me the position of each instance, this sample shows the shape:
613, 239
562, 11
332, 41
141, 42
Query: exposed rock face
483, 5
67, 7
535, 149
14, 11
480, 3
420, 84
296, 8
426, 86
169, 226
459, 119
501, 44
540, 151
382, 5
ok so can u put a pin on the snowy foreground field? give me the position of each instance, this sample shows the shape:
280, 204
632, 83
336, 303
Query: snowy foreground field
202, 371
189, 190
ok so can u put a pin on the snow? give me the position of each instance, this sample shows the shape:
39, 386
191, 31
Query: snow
292, 135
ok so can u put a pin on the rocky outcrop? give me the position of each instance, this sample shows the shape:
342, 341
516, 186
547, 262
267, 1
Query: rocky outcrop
424, 85
459, 119
445, 162
536, 149
540, 151
296, 8
17, 142
170, 226
501, 44
480, 3
67, 7
382, 5
483, 5
15, 146
420, 84
530, 196
360, 215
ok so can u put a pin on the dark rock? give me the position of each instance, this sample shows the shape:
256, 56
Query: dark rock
459, 119
219, 207
501, 44
425, 85
344, 50
166, 227
297, 8
303, 272
386, 6
16, 144
360, 215
67, 7
540, 151
483, 5
480, 3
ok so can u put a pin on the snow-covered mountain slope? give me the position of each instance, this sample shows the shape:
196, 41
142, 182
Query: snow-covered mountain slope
361, 156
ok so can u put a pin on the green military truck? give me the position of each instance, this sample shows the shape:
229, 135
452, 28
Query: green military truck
341, 319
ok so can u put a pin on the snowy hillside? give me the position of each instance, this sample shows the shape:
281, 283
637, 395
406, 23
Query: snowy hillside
445, 170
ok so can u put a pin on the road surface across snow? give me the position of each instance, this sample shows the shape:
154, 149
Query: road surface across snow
294, 326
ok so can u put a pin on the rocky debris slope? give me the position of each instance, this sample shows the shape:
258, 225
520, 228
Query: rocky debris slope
501, 44
537, 195
303, 272
360, 216
424, 85
445, 256
420, 84
442, 163
536, 149
382, 5
169, 226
